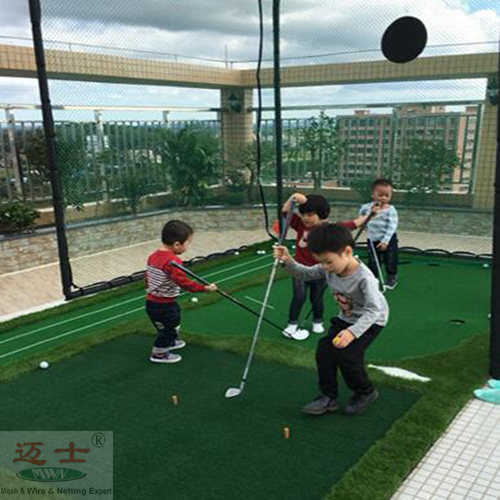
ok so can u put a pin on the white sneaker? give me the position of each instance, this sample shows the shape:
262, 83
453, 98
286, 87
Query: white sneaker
318, 328
293, 332
300, 334
179, 344
165, 357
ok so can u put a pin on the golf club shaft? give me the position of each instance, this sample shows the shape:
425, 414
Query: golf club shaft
259, 323
224, 294
363, 226
281, 239
373, 250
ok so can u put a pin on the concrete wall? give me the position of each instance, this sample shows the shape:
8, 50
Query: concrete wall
31, 250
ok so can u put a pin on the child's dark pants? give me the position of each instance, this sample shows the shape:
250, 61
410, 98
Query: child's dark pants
316, 290
166, 317
388, 257
349, 360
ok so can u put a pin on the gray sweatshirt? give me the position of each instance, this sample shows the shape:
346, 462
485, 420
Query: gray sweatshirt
363, 304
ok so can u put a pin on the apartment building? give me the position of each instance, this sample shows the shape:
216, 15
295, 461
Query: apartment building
375, 142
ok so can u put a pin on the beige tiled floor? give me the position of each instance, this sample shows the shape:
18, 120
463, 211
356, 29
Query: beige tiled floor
464, 464
31, 289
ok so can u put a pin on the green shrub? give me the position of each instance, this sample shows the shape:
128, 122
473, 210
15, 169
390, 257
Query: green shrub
236, 181
135, 185
227, 198
192, 157
16, 217
363, 187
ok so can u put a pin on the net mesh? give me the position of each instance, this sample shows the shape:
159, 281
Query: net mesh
155, 108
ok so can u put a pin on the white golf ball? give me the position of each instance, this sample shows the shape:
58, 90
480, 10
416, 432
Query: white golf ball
44, 365
293, 247
263, 252
236, 253
486, 265
194, 299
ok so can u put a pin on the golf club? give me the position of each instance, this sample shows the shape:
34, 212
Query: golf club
224, 294
236, 391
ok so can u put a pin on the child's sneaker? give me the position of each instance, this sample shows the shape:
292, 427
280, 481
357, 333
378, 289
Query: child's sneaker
318, 327
359, 403
321, 405
165, 357
293, 331
179, 344
494, 383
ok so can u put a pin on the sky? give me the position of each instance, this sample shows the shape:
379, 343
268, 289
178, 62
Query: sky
216, 29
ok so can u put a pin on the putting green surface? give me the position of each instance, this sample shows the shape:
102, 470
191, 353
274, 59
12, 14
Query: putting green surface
66, 324
208, 446
431, 293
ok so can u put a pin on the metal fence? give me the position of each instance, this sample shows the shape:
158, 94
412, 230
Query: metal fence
364, 146
97, 157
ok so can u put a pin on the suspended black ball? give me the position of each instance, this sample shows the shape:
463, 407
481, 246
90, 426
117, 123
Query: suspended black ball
404, 40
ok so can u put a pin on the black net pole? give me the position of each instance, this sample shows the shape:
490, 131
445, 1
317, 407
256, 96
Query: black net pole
48, 127
495, 287
278, 129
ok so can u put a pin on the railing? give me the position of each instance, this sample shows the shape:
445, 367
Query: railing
108, 149
111, 151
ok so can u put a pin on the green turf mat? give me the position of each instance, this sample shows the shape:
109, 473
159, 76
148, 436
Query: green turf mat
431, 293
427, 298
206, 447
94, 317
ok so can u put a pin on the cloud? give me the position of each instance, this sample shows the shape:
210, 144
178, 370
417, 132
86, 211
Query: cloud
19, 90
204, 28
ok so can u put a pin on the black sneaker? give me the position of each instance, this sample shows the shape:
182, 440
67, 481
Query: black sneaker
321, 405
359, 403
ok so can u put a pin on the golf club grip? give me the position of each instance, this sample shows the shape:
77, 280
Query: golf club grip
363, 226
286, 225
224, 294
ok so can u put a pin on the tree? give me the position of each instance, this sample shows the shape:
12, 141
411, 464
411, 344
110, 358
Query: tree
192, 157
321, 139
426, 166
247, 163
134, 185
71, 161
35, 152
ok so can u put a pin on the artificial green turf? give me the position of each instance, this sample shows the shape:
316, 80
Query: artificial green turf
422, 305
208, 446
427, 298
220, 268
95, 316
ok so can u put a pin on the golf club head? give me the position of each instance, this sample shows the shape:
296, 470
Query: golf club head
232, 392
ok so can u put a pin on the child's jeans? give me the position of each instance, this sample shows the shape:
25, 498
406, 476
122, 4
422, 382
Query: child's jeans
316, 290
388, 257
349, 360
166, 317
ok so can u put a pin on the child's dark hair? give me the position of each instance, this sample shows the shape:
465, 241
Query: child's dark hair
382, 182
329, 238
175, 230
316, 204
